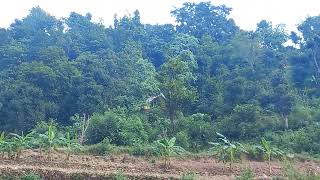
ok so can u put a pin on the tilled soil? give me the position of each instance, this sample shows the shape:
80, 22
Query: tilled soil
104, 167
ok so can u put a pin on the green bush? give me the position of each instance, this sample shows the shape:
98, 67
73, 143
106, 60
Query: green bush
144, 150
194, 131
303, 140
299, 117
247, 121
119, 128
254, 153
102, 148
183, 139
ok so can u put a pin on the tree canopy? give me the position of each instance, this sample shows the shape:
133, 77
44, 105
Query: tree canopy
212, 76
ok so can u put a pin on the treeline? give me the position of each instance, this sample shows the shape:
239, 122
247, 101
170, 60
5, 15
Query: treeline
139, 82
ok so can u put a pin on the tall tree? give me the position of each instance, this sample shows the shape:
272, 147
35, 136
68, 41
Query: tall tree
176, 78
205, 18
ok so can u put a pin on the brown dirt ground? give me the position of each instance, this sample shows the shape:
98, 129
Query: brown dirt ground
100, 167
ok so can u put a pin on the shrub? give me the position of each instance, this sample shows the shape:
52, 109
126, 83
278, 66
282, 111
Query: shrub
183, 139
119, 128
194, 131
254, 153
144, 150
303, 140
247, 121
299, 117
101, 148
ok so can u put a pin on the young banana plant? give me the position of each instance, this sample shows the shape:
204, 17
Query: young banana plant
226, 150
168, 149
269, 151
70, 144
51, 134
20, 143
2, 144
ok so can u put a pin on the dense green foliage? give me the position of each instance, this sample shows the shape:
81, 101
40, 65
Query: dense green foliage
212, 77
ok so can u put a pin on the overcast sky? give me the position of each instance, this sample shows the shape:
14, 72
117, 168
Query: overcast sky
246, 13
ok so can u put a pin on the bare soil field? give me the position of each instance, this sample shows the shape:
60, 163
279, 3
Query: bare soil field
105, 167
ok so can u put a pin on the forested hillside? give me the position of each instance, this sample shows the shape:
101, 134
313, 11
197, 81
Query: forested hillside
139, 82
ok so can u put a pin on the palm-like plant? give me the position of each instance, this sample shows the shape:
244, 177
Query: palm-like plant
70, 144
48, 140
226, 150
168, 148
40, 141
20, 143
51, 136
2, 144
269, 151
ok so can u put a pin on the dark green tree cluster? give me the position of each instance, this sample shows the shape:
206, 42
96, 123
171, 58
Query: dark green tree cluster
140, 82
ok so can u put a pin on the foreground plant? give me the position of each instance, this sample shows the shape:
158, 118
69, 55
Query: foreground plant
20, 143
168, 149
226, 150
48, 141
269, 151
70, 144
51, 139
2, 144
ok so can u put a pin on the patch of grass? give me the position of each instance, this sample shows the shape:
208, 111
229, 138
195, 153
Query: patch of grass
189, 176
119, 176
31, 176
247, 174
102, 148
292, 173
77, 176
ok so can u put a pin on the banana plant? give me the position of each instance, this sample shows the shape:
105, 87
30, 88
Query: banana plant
40, 141
2, 144
70, 144
20, 143
51, 137
168, 148
269, 151
48, 140
226, 150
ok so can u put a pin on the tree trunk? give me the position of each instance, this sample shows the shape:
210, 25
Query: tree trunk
269, 164
49, 154
316, 62
286, 122
68, 156
172, 116
85, 124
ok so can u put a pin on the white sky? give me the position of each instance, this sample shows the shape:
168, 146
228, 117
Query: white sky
246, 13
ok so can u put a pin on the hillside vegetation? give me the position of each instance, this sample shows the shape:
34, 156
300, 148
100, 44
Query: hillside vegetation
132, 84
